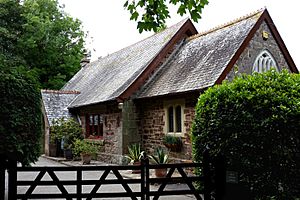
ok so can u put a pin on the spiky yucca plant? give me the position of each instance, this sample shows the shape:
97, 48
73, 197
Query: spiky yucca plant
134, 153
160, 157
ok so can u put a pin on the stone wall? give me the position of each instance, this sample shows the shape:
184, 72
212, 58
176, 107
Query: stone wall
153, 120
246, 61
112, 130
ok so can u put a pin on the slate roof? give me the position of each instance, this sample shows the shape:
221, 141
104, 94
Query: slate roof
107, 78
201, 60
56, 103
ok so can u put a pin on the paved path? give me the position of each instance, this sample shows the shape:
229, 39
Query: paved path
86, 175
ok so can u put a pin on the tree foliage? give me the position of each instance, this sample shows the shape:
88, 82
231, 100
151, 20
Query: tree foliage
152, 15
20, 116
255, 122
43, 39
11, 22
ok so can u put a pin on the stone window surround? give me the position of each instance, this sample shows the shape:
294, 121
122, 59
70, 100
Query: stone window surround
174, 103
264, 62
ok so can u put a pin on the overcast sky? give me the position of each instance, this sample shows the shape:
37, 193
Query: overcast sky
110, 29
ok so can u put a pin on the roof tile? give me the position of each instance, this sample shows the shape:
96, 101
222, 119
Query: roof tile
107, 78
201, 60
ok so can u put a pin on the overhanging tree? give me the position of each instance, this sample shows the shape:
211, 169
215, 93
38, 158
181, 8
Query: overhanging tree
255, 122
152, 15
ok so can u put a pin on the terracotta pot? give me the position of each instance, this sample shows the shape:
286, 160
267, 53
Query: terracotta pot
161, 172
136, 171
86, 158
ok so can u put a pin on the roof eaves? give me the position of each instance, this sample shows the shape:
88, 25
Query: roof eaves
89, 104
60, 91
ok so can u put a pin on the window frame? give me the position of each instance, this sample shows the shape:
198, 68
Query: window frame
90, 128
264, 61
174, 104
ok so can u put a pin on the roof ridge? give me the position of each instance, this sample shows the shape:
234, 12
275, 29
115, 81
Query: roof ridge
60, 91
224, 25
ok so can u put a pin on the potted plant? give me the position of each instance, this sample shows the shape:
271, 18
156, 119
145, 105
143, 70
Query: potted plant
134, 155
173, 143
160, 157
85, 149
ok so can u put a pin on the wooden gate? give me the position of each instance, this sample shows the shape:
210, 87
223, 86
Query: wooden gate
212, 181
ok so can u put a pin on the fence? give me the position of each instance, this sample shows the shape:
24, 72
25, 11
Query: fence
213, 181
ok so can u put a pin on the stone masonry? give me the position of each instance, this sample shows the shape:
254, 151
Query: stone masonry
112, 130
153, 122
246, 61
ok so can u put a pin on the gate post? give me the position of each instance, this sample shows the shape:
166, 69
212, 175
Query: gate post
207, 175
2, 175
12, 177
220, 170
145, 185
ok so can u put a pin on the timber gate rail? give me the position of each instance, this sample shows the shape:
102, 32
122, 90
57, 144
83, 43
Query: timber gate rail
212, 181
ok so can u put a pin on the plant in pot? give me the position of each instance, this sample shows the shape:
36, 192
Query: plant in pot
134, 155
173, 143
160, 157
85, 149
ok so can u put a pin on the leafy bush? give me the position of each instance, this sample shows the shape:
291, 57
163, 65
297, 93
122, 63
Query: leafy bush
255, 122
84, 147
68, 130
20, 116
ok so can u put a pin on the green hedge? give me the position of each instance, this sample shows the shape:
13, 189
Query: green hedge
255, 122
20, 116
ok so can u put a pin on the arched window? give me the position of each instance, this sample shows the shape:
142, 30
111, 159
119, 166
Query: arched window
264, 62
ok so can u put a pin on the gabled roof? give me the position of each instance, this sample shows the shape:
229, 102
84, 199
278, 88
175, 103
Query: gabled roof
108, 78
56, 103
206, 58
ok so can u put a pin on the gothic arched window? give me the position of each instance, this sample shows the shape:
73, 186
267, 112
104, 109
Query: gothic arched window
264, 62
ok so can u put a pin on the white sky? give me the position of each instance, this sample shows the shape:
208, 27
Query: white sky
110, 29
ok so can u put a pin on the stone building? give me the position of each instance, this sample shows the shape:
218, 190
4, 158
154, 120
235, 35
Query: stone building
149, 89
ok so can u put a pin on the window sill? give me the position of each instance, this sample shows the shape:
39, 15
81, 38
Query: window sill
94, 137
177, 134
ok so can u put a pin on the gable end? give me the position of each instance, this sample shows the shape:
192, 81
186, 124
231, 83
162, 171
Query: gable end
264, 18
187, 30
